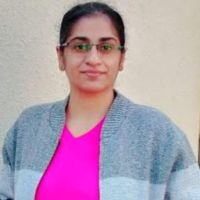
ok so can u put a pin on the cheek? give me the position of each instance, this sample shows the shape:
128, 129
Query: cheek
72, 70
72, 61
113, 65
72, 66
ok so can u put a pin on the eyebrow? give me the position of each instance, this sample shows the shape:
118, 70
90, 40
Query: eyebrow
107, 38
103, 39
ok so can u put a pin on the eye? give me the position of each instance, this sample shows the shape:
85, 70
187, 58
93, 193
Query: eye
106, 47
82, 47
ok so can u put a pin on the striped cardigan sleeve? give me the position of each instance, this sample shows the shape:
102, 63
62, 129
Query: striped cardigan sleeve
7, 170
184, 179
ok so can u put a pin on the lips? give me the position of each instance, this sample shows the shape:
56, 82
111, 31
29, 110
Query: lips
93, 73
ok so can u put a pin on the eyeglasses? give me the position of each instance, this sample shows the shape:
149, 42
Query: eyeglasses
104, 48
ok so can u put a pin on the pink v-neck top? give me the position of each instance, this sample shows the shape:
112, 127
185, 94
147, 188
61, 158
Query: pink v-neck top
73, 173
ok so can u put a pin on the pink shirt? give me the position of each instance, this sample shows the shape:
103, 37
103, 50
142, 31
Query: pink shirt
73, 173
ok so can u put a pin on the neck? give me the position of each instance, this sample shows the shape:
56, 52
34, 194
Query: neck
90, 105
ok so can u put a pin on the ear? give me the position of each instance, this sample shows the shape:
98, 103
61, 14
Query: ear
60, 58
121, 62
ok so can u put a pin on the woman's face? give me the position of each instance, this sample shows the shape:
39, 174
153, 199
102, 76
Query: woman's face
93, 70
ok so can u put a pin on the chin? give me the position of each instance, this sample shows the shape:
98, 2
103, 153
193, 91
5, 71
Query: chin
94, 89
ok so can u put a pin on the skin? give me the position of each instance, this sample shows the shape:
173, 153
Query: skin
91, 77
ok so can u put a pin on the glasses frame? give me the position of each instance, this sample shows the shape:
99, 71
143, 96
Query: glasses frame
66, 44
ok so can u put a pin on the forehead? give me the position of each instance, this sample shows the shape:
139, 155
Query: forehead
94, 27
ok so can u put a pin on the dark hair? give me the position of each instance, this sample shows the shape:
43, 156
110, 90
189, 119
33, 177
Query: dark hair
81, 10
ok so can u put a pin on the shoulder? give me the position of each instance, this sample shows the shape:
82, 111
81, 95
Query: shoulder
151, 121
147, 117
31, 118
37, 112
156, 131
144, 115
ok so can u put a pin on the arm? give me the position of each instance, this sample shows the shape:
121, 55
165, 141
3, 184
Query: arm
7, 170
184, 180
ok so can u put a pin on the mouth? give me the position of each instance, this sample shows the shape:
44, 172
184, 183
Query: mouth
93, 73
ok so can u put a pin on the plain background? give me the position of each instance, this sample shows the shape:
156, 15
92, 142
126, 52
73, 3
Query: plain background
162, 67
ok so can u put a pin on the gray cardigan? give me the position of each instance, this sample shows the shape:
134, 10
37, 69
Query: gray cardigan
143, 155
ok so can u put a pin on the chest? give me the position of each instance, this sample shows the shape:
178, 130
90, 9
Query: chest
125, 165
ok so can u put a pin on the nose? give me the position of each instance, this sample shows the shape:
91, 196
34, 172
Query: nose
93, 57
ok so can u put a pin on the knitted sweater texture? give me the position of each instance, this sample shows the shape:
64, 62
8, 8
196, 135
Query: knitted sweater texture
143, 155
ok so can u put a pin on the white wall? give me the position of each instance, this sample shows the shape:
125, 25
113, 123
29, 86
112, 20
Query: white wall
162, 67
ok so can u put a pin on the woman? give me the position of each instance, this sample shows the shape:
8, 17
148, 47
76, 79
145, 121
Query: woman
96, 144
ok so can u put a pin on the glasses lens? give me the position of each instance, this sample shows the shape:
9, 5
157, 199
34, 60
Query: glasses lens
106, 47
80, 47
84, 47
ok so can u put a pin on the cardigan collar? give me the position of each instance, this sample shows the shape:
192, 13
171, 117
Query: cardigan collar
116, 113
